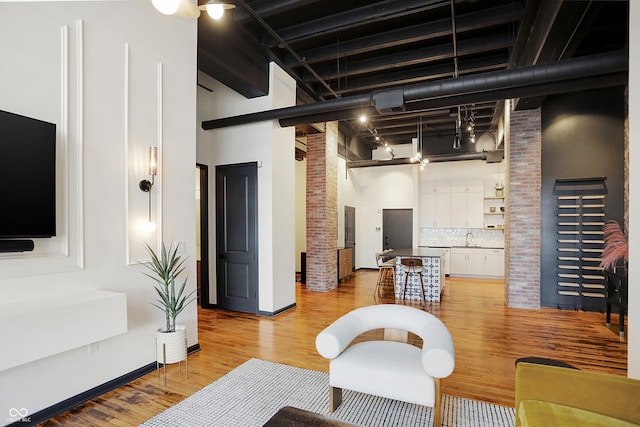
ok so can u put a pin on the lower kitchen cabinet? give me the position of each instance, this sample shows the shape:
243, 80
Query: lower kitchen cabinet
477, 262
494, 262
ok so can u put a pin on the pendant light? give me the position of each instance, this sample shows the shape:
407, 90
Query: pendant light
215, 8
183, 8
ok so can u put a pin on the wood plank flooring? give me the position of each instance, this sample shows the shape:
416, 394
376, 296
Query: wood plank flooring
488, 338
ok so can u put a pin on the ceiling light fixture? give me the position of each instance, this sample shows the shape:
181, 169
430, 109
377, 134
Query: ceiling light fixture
470, 119
456, 139
183, 8
379, 139
215, 8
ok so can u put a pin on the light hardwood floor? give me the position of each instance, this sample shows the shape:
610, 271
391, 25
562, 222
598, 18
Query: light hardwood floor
488, 338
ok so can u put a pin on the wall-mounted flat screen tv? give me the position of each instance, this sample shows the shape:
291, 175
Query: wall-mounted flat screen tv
27, 177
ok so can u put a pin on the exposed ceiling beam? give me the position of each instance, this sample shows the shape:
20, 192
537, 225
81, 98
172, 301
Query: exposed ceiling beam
463, 90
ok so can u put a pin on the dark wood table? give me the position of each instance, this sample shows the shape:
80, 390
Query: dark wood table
294, 417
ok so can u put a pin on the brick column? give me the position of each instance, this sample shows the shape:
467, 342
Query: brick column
322, 208
523, 200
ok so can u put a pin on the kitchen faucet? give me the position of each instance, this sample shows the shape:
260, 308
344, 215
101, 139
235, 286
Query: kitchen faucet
466, 238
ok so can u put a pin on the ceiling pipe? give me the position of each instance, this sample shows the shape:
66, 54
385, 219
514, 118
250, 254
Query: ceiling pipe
541, 89
493, 156
506, 81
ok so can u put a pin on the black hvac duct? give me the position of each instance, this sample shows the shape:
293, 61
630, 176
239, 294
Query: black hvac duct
508, 83
332, 105
489, 156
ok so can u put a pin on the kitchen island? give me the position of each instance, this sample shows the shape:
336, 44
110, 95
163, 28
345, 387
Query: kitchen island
432, 273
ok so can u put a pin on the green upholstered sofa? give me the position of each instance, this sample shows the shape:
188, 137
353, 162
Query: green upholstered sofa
555, 396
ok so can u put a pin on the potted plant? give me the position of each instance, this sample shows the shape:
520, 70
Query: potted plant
164, 269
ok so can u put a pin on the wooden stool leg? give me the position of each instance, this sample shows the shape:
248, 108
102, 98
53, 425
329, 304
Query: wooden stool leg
437, 407
421, 286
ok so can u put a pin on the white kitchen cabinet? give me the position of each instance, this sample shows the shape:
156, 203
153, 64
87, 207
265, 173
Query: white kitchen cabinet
467, 210
435, 210
442, 186
467, 261
467, 186
477, 262
494, 262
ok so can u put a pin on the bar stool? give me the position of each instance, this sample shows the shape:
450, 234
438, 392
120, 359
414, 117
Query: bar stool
386, 272
412, 266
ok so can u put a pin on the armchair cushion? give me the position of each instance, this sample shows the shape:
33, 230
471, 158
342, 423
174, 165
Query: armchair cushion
535, 413
353, 369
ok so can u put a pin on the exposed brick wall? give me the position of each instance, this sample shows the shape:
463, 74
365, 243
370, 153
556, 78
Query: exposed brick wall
523, 201
322, 209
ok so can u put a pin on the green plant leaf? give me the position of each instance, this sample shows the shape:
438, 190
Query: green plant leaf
164, 270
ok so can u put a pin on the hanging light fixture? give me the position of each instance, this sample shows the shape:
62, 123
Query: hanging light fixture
215, 8
456, 139
183, 8
189, 9
470, 120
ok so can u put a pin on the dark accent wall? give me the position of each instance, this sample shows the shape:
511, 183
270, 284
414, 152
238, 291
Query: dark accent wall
582, 136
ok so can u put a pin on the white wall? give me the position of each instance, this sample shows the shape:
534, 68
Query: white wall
384, 187
273, 148
634, 201
116, 77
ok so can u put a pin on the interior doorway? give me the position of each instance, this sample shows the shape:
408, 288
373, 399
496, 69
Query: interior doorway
397, 228
202, 234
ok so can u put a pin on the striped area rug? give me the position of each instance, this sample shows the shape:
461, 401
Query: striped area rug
253, 392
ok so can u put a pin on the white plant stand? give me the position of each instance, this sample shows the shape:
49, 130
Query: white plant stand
171, 347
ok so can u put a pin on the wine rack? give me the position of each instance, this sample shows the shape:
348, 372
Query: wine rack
581, 283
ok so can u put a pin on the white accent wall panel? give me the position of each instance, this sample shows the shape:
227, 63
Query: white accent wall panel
66, 62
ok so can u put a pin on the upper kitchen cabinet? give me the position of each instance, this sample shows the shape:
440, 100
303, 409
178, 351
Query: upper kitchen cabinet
435, 200
435, 210
467, 204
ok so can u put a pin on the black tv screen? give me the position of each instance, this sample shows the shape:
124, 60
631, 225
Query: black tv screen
27, 177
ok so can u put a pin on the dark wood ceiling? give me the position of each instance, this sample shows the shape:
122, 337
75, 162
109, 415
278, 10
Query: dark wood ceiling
342, 49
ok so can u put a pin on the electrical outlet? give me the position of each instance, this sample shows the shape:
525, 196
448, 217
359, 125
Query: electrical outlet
181, 247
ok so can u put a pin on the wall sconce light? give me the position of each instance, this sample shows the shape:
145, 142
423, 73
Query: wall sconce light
146, 185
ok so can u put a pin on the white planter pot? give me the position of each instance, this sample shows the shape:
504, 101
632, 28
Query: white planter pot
172, 345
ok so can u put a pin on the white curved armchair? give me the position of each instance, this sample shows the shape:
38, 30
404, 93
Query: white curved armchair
391, 369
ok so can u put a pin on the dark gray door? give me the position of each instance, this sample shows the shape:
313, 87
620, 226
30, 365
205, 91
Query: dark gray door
237, 237
397, 227
350, 230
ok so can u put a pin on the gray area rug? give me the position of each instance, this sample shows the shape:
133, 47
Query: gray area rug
254, 391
